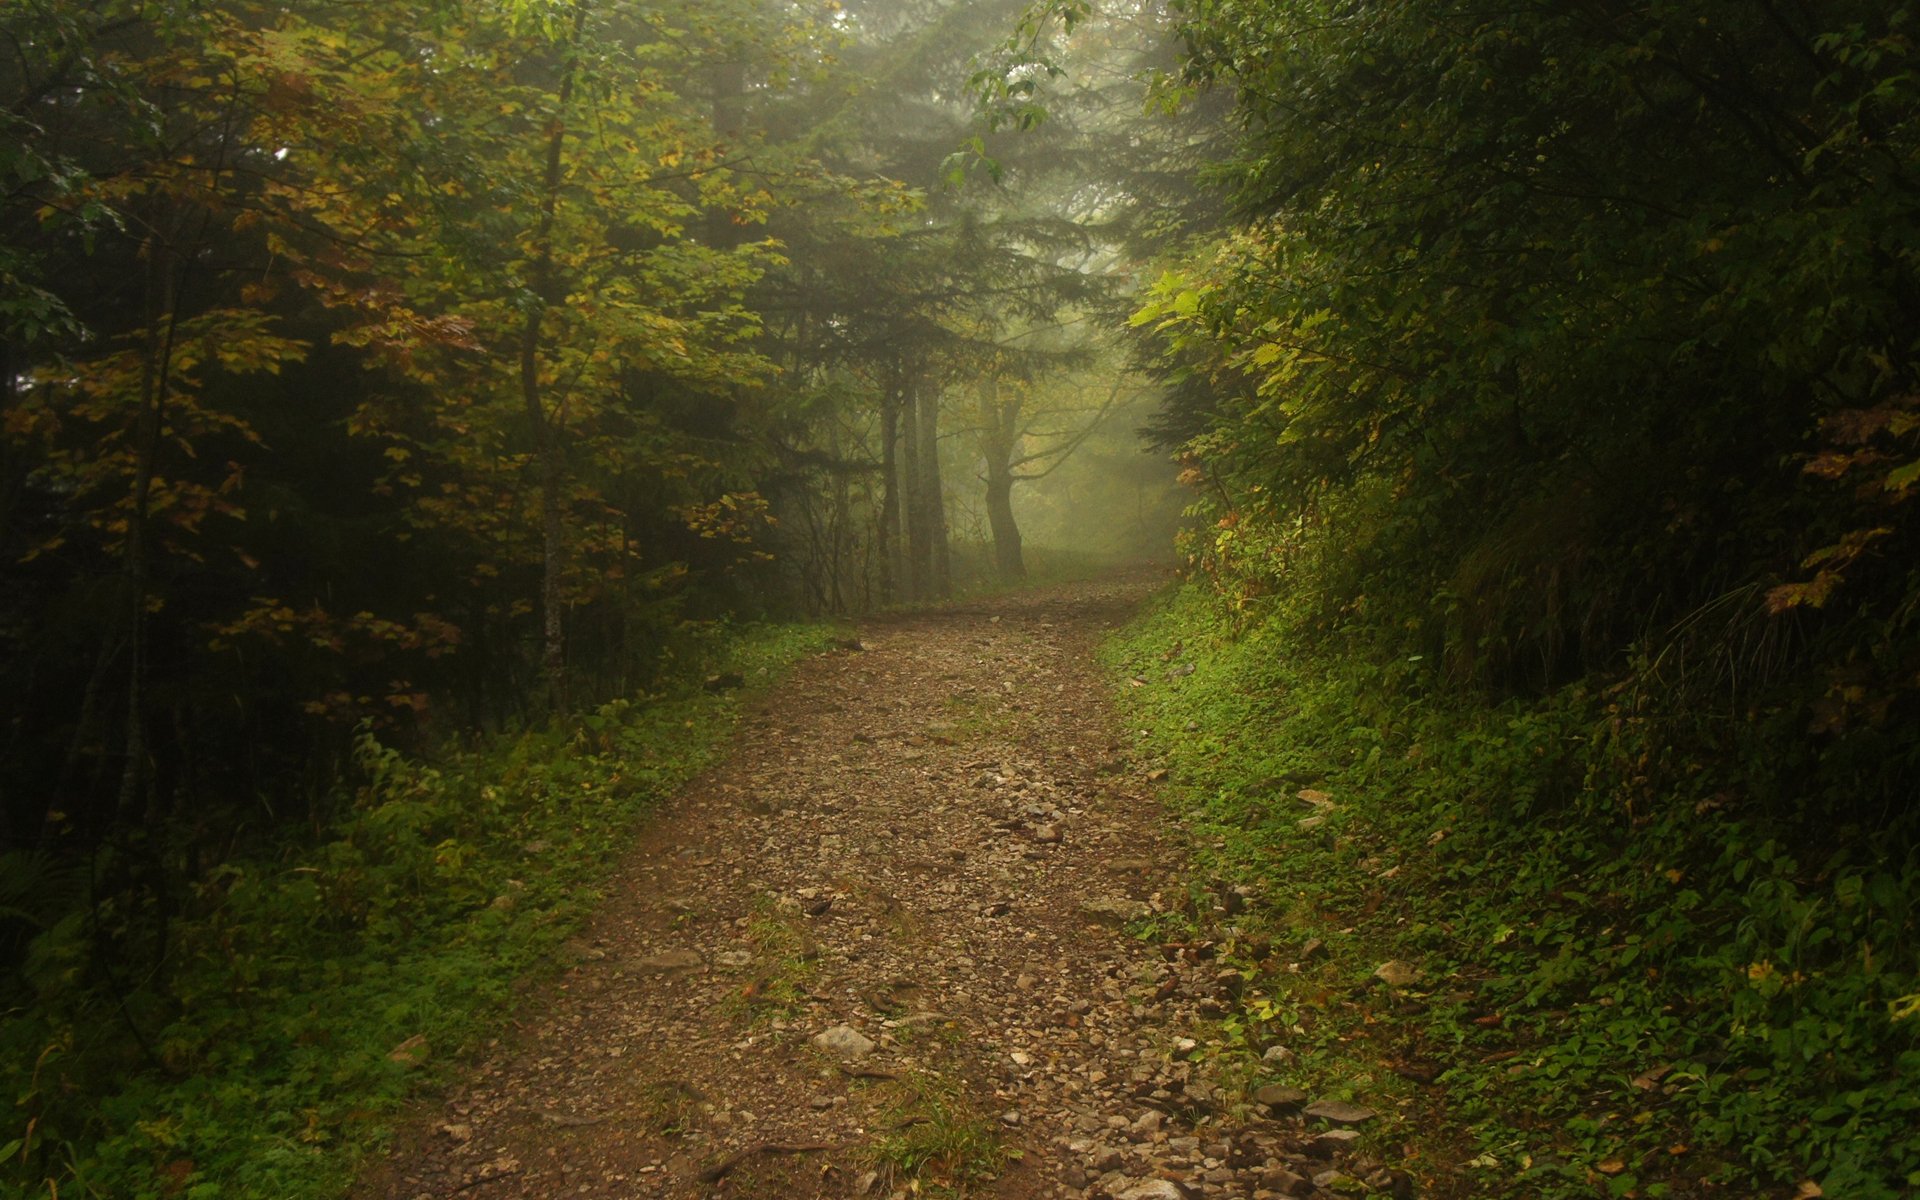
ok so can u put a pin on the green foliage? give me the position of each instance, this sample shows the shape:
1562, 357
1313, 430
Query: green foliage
1550, 426
309, 993
940, 1144
1641, 968
1536, 317
341, 344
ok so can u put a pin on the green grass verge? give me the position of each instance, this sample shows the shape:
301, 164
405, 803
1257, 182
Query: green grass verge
1643, 971
310, 995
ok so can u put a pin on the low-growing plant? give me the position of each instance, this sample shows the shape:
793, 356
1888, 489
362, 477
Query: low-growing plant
936, 1139
785, 959
308, 991
1642, 970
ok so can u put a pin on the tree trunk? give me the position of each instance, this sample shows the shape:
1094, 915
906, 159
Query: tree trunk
839, 521
547, 428
156, 380
886, 536
919, 533
14, 465
729, 84
1007, 559
933, 495
999, 435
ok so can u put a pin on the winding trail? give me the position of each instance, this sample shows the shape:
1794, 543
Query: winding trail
921, 849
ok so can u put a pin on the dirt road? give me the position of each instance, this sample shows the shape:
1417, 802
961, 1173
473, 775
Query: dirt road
879, 953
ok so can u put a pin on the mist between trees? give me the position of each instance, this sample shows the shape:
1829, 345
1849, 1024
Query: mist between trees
435, 367
430, 369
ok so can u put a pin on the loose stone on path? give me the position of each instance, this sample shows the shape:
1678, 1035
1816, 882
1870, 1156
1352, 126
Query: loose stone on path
845, 1041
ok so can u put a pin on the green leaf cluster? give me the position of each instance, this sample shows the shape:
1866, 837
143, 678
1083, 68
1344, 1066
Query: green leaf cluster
1543, 313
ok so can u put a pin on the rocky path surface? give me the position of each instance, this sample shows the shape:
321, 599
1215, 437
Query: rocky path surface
880, 953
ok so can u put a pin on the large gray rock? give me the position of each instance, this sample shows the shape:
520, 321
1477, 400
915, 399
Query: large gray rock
845, 1041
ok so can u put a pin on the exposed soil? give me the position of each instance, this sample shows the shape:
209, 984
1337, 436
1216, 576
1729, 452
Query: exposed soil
924, 848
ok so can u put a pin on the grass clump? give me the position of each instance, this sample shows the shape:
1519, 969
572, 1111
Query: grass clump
307, 994
785, 960
1643, 970
938, 1143
670, 1108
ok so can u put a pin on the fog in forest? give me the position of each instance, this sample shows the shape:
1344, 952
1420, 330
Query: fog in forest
428, 426
458, 365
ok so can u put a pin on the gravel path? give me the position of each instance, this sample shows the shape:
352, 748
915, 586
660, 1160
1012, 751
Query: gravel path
879, 954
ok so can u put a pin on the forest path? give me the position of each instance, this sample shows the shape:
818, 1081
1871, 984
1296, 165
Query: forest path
921, 850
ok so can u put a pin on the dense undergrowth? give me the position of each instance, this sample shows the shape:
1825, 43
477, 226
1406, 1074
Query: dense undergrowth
307, 993
1645, 969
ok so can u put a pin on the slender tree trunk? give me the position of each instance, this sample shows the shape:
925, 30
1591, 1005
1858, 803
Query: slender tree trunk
553, 533
156, 371
13, 467
627, 570
934, 495
887, 528
548, 428
842, 515
999, 436
919, 539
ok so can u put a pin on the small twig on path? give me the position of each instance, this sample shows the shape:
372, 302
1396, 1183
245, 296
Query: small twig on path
720, 1170
867, 1073
478, 1180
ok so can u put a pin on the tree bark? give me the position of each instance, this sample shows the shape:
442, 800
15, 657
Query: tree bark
887, 528
933, 496
1007, 558
548, 446
839, 521
914, 471
998, 438
156, 381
